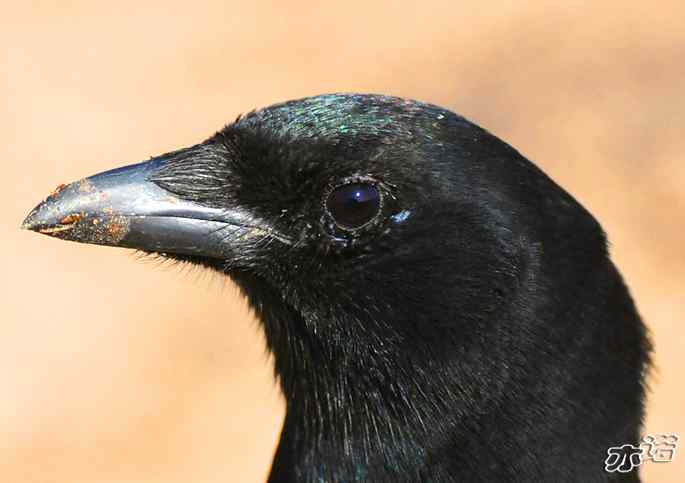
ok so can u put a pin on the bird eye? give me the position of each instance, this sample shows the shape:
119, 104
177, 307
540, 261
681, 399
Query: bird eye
353, 205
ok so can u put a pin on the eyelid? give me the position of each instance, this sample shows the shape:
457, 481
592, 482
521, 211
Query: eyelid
334, 230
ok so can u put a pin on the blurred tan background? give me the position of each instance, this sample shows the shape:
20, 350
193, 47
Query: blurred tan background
114, 369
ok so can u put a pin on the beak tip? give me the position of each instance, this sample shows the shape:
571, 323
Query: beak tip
30, 223
42, 216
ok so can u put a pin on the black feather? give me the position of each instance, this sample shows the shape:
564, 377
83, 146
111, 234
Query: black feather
476, 331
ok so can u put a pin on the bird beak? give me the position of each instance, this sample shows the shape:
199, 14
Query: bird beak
124, 208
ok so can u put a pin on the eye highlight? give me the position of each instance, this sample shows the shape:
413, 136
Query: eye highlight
353, 205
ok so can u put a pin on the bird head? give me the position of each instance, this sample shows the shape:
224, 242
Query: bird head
354, 211
410, 269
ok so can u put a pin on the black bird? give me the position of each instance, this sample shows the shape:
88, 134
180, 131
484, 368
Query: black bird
438, 308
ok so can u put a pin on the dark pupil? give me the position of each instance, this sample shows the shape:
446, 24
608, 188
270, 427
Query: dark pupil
353, 205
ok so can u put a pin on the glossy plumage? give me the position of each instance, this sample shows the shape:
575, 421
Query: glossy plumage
474, 331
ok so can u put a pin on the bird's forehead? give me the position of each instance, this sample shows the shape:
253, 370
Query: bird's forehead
337, 116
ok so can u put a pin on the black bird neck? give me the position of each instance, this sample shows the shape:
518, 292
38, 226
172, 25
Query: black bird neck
350, 418
495, 406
